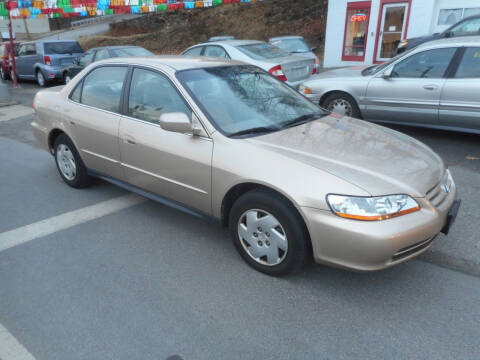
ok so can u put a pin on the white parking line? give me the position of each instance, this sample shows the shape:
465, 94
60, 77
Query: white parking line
64, 221
10, 348
14, 111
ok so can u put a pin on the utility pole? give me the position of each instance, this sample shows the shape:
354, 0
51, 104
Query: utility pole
12, 47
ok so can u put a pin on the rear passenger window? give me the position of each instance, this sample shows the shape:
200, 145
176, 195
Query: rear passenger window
215, 51
102, 88
196, 51
152, 95
470, 65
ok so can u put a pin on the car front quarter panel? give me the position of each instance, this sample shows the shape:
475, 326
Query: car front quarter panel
239, 161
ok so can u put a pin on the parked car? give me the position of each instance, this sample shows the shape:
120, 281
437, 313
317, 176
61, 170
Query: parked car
221, 38
101, 53
286, 67
227, 141
44, 60
435, 85
5, 60
469, 26
296, 45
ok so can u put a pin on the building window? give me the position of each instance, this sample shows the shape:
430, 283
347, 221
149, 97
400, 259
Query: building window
356, 31
452, 16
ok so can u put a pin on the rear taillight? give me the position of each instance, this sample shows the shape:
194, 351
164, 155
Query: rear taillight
315, 65
47, 60
278, 73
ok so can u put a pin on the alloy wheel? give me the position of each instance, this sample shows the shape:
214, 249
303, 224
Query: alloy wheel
262, 237
66, 162
341, 107
67, 78
40, 78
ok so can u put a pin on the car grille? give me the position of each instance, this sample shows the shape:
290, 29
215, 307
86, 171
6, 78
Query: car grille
412, 249
438, 194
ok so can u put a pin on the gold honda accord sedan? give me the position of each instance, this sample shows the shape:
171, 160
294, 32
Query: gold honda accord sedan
228, 141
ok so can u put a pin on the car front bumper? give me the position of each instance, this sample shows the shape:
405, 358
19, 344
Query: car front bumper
315, 98
375, 245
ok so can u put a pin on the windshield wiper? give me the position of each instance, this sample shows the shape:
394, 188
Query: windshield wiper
256, 130
303, 119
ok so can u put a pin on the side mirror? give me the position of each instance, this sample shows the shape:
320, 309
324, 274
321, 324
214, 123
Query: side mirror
387, 74
449, 34
176, 122
313, 49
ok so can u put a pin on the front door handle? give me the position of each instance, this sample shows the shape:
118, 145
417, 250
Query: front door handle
430, 87
128, 140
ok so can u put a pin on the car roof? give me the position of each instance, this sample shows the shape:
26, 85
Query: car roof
455, 41
286, 37
231, 42
47, 41
176, 62
113, 47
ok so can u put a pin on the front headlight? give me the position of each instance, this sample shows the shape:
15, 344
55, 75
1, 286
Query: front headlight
305, 90
403, 44
372, 208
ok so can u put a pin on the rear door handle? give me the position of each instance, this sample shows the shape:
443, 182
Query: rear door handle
430, 87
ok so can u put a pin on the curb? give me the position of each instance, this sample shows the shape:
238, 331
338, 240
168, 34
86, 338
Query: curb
8, 103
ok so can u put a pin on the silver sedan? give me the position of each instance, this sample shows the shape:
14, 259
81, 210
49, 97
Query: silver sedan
284, 66
435, 85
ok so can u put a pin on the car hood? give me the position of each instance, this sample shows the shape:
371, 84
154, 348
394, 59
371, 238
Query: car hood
353, 71
378, 160
412, 42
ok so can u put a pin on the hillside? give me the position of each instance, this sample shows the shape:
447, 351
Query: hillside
173, 31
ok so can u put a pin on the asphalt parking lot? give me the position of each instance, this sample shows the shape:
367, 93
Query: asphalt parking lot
110, 275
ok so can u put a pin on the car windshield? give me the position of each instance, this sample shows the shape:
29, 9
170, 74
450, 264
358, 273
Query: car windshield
371, 70
245, 100
131, 51
292, 45
262, 51
62, 47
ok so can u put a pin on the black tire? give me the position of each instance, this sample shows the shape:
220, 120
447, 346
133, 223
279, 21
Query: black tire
3, 75
66, 77
39, 76
11, 74
330, 99
81, 179
287, 216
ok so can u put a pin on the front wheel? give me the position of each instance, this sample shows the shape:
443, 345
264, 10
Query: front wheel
342, 104
268, 233
69, 164
3, 75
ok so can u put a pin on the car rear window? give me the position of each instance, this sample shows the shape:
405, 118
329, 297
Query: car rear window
131, 51
62, 47
261, 51
292, 45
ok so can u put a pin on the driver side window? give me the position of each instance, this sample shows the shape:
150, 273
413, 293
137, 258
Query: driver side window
470, 27
86, 59
430, 64
152, 94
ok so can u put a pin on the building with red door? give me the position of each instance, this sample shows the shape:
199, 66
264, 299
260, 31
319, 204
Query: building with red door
366, 32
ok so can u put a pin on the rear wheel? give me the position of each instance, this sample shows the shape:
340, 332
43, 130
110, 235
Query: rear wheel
268, 233
69, 164
66, 77
41, 79
342, 104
